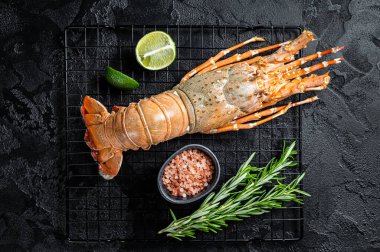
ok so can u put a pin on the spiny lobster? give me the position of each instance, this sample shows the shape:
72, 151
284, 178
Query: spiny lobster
217, 96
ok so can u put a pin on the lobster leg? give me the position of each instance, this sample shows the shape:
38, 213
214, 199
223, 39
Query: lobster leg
239, 57
319, 88
308, 58
258, 115
256, 59
286, 52
213, 60
296, 73
313, 68
297, 85
239, 126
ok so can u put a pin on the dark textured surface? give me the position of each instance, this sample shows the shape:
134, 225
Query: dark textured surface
340, 132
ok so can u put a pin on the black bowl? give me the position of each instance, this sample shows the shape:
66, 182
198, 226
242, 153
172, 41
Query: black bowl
189, 199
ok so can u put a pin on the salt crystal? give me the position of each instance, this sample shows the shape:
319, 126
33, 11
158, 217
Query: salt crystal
188, 173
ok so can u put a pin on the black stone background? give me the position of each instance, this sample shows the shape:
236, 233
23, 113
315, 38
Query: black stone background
340, 132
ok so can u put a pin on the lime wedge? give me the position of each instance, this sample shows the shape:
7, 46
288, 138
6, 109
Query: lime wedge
119, 80
156, 50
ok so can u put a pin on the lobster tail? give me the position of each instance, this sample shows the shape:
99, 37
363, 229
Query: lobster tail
140, 125
109, 158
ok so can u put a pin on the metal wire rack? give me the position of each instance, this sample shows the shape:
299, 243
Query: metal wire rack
129, 208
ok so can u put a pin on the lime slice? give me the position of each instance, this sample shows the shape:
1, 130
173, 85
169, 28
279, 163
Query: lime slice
155, 51
119, 80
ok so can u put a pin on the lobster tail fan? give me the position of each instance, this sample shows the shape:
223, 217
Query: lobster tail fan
110, 168
93, 112
108, 158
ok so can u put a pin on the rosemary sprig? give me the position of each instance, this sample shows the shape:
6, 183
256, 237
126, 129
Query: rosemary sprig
241, 196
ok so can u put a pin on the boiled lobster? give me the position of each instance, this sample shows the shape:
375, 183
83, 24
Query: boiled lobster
217, 96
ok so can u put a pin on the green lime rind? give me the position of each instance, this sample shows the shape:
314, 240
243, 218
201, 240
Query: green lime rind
119, 80
155, 51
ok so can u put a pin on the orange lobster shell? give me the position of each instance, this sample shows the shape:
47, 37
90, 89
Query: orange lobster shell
215, 97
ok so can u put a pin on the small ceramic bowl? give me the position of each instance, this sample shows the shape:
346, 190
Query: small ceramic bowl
189, 199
